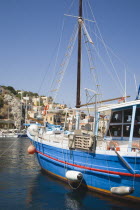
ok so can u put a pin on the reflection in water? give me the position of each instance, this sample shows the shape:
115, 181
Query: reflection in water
55, 192
16, 156
59, 195
24, 186
74, 199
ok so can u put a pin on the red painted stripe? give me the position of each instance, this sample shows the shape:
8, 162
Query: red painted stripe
88, 168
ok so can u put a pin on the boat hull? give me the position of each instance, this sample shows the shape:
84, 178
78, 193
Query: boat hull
100, 172
22, 136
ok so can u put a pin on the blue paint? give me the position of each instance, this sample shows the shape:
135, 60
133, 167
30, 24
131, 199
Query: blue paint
102, 171
25, 186
96, 179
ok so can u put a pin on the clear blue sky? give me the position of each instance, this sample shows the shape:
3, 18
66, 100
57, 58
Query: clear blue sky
30, 31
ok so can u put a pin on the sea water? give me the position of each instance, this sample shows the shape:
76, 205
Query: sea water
24, 186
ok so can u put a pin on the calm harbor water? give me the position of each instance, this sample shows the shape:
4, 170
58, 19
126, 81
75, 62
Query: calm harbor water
24, 186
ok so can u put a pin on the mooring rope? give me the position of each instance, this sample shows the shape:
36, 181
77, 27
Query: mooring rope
8, 148
80, 182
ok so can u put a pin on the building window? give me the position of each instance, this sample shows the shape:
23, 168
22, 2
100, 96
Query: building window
136, 131
127, 116
116, 117
126, 130
137, 118
114, 130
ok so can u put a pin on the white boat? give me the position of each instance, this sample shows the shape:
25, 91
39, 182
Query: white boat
13, 133
8, 133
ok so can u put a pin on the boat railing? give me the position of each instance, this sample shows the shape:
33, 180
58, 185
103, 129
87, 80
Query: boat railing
55, 138
123, 146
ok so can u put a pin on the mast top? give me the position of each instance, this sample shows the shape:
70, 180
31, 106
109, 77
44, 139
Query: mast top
80, 8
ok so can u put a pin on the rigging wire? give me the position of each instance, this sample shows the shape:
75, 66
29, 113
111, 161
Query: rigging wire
101, 39
90, 30
66, 59
97, 51
105, 66
109, 49
106, 48
85, 10
90, 56
72, 3
117, 57
46, 72
55, 63
95, 76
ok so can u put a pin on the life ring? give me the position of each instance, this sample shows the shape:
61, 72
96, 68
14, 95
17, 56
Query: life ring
113, 145
135, 146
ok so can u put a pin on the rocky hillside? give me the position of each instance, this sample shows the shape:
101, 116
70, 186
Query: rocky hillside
11, 106
15, 108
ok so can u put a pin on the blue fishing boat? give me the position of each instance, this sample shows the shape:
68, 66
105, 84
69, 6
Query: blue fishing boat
109, 164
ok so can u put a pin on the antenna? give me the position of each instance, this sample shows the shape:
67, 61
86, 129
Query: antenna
135, 83
125, 86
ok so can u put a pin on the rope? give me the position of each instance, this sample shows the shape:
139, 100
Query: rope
66, 60
58, 51
62, 29
109, 48
8, 148
47, 71
105, 65
75, 188
93, 72
105, 47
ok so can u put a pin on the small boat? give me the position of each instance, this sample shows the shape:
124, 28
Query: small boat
22, 134
13, 133
108, 164
8, 134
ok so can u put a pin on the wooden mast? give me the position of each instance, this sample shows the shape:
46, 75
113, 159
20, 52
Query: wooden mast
78, 101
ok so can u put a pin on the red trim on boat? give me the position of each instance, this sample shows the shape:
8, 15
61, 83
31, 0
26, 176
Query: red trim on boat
88, 168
